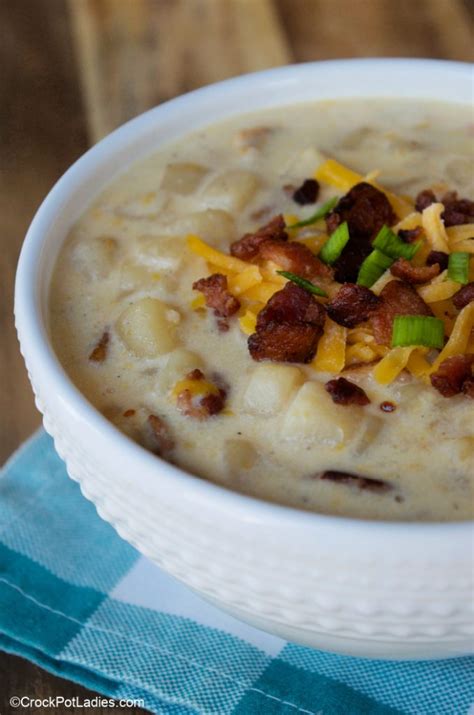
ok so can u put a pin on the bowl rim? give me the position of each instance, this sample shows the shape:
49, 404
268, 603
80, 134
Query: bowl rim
33, 334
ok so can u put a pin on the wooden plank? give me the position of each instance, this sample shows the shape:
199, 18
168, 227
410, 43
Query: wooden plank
329, 29
135, 54
41, 133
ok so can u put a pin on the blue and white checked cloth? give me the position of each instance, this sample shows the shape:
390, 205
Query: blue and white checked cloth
83, 604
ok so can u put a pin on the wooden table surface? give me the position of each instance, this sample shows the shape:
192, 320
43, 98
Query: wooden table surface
73, 71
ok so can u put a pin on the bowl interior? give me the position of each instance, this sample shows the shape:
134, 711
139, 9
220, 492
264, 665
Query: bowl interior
420, 79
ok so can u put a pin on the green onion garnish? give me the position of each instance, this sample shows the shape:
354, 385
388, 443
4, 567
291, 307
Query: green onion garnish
333, 247
307, 285
417, 330
320, 213
458, 267
373, 267
389, 243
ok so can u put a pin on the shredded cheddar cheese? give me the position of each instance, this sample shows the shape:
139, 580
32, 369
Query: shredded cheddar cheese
198, 302
248, 322
248, 278
359, 353
331, 353
459, 338
197, 388
434, 228
262, 292
417, 364
212, 255
392, 364
334, 173
460, 233
434, 292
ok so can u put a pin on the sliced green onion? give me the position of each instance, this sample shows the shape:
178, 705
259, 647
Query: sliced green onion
307, 285
389, 243
333, 247
320, 213
417, 330
458, 267
373, 267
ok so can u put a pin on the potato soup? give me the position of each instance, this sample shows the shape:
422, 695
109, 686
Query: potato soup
283, 304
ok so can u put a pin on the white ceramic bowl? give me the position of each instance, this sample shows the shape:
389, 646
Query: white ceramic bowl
388, 590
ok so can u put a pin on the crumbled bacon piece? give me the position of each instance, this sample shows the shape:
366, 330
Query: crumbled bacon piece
288, 328
129, 413
468, 387
247, 247
344, 392
294, 257
216, 293
413, 274
354, 480
438, 257
292, 305
366, 210
457, 211
99, 353
464, 296
454, 376
396, 298
307, 193
160, 434
410, 235
203, 407
351, 305
285, 342
424, 199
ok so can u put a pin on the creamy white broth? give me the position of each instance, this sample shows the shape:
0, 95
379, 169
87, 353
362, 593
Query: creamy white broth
131, 244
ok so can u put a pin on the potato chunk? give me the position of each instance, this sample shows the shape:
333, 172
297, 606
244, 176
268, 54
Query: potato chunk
232, 190
148, 327
183, 178
212, 225
147, 205
270, 388
313, 416
95, 257
179, 363
160, 252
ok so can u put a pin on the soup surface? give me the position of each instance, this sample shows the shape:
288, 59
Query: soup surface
307, 396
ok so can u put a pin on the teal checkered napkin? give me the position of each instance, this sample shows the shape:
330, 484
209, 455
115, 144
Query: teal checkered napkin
83, 604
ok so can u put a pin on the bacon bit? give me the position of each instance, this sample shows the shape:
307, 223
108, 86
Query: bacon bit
247, 247
410, 235
161, 434
307, 193
413, 274
352, 305
454, 376
424, 199
204, 407
464, 296
129, 413
291, 305
396, 298
456, 211
284, 342
373, 485
99, 353
288, 328
387, 407
366, 210
438, 257
344, 392
468, 387
295, 257
216, 293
